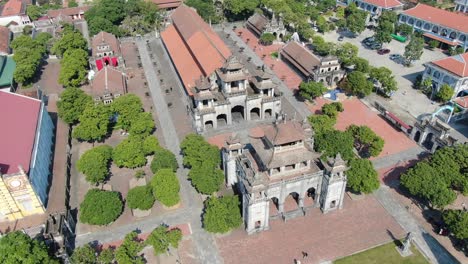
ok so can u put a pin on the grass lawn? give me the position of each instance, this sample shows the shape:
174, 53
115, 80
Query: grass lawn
385, 254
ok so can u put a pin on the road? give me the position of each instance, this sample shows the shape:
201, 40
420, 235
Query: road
205, 246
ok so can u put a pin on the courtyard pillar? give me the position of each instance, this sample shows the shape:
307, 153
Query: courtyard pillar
281, 207
301, 202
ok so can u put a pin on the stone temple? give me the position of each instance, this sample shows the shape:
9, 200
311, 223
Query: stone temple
279, 175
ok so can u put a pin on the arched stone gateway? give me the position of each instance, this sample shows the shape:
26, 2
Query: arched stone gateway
209, 125
268, 113
237, 113
417, 136
429, 141
309, 197
274, 208
255, 113
221, 120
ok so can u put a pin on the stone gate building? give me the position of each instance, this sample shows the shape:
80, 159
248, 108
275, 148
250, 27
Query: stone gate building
278, 175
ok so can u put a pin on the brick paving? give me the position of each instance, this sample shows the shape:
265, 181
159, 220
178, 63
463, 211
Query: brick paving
359, 225
281, 69
355, 112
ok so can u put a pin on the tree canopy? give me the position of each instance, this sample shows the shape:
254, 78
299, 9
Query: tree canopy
222, 214
347, 53
206, 9
332, 109
361, 65
267, 38
367, 142
239, 9
72, 104
74, 67
362, 177
128, 107
163, 159
445, 93
128, 252
140, 197
414, 49
100, 207
322, 123
161, 239
132, 152
71, 39
311, 90
357, 84
84, 255
334, 142
457, 222
94, 123
95, 163
17, 247
385, 78
166, 187
355, 19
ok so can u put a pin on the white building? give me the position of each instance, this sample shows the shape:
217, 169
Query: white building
13, 15
452, 71
461, 6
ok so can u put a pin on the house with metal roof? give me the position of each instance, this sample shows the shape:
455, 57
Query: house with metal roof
7, 69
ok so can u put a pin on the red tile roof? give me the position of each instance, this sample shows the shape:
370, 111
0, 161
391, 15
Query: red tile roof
13, 8
298, 55
162, 4
108, 80
447, 41
384, 3
457, 64
203, 50
462, 101
4, 40
439, 16
104, 38
67, 11
19, 117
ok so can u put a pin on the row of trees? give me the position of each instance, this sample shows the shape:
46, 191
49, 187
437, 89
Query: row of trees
28, 55
161, 239
17, 247
362, 177
123, 18
204, 161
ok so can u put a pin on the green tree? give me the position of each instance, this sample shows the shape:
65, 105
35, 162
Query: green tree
383, 31
366, 140
94, 123
322, 24
129, 153
142, 125
70, 40
334, 142
361, 64
94, 163
414, 49
347, 53
161, 238
100, 207
362, 177
434, 44
205, 9
389, 16
426, 85
356, 83
71, 105
106, 256
17, 247
197, 151
28, 54
457, 222
72, 3
166, 187
356, 22
240, 9
322, 123
384, 76
74, 68
164, 159
128, 252
267, 38
340, 12
34, 12
140, 197
84, 255
150, 145
98, 24
105, 15
332, 109
128, 107
205, 178
222, 214
445, 93
404, 29
311, 90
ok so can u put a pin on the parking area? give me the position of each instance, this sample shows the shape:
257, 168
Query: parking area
407, 98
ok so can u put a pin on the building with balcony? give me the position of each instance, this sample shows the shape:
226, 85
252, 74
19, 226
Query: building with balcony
375, 7
25, 156
279, 175
452, 71
461, 6
449, 28
326, 70
232, 95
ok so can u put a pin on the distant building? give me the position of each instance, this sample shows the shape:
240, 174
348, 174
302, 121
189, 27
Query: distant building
52, 22
326, 70
452, 71
13, 15
107, 85
106, 51
25, 156
167, 4
375, 7
449, 28
5, 37
279, 175
461, 6
260, 24
7, 68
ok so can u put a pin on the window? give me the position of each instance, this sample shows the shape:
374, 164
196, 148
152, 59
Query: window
403, 19
411, 21
333, 204
427, 26
205, 102
290, 167
462, 37
258, 224
304, 164
418, 24
436, 74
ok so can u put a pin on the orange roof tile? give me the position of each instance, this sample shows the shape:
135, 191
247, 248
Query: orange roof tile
167, 3
70, 11
384, 3
439, 16
5, 36
457, 64
184, 62
104, 38
13, 8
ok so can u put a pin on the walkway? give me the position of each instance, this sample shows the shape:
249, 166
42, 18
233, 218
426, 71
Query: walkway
423, 240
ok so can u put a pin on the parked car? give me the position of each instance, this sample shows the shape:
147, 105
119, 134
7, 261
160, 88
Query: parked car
395, 57
340, 38
368, 40
375, 46
383, 51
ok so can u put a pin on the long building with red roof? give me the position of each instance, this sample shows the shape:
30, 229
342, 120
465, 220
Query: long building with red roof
25, 155
375, 7
452, 71
447, 27
195, 49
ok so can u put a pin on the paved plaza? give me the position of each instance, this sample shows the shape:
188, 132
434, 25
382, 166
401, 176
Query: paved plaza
359, 225
411, 101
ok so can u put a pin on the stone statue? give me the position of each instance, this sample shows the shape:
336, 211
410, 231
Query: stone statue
407, 242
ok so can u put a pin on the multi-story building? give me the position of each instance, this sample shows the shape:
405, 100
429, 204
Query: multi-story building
229, 96
260, 24
25, 156
461, 6
52, 23
449, 28
452, 71
105, 50
326, 70
278, 174
13, 15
